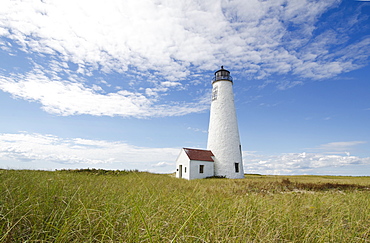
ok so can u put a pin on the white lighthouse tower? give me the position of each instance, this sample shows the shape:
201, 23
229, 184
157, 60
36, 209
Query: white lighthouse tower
223, 133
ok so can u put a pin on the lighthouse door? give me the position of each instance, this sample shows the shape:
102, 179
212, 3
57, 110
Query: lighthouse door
180, 171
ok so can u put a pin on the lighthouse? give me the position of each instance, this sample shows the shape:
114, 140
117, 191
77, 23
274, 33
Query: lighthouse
223, 156
223, 132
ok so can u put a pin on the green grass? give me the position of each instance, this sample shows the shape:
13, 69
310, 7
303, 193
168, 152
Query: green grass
103, 206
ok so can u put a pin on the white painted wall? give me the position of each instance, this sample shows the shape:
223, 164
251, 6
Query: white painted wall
184, 161
223, 133
208, 170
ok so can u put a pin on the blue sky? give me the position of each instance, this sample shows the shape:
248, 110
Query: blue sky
126, 84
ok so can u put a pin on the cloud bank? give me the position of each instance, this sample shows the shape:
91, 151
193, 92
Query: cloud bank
37, 151
305, 163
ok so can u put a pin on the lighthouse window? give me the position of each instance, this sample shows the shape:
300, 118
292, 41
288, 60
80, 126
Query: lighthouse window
222, 74
236, 167
201, 168
214, 93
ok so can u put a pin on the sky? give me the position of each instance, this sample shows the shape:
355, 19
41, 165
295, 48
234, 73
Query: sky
126, 84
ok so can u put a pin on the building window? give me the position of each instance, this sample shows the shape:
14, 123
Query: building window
236, 167
201, 168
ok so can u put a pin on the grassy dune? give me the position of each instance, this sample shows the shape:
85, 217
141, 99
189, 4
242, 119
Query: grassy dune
101, 206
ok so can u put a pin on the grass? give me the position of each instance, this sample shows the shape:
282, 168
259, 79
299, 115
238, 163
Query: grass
131, 206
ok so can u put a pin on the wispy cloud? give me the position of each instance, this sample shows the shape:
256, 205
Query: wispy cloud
174, 35
162, 45
340, 146
197, 129
65, 98
287, 85
164, 164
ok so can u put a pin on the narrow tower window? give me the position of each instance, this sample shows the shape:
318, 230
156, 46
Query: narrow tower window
236, 167
214, 93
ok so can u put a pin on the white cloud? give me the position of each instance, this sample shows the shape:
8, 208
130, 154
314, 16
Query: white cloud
170, 84
197, 129
339, 146
164, 164
70, 98
303, 163
170, 36
26, 150
163, 46
36, 148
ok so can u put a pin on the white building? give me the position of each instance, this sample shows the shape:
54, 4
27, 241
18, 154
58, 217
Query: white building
195, 164
223, 137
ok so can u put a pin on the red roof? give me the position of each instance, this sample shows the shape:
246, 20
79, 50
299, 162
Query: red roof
199, 154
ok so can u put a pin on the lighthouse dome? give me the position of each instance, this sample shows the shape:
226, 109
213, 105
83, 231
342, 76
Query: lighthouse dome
222, 74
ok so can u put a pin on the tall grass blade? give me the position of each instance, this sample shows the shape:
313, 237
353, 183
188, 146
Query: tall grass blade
186, 221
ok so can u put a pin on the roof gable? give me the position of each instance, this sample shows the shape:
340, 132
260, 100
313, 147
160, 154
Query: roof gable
199, 154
